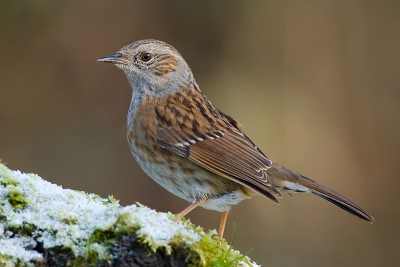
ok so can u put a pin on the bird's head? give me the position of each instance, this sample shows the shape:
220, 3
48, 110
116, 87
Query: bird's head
152, 67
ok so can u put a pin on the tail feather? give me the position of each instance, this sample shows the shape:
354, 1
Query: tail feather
286, 179
337, 199
355, 211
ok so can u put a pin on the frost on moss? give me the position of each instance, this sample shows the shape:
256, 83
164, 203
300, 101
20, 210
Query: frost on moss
40, 223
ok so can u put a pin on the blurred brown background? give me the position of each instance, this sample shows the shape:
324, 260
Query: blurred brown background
315, 83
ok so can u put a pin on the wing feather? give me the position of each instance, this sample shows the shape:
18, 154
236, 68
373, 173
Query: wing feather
213, 140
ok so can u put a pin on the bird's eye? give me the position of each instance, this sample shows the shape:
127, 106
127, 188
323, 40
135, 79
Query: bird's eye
146, 57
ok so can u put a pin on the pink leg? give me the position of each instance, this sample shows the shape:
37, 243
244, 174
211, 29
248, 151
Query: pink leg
191, 207
224, 217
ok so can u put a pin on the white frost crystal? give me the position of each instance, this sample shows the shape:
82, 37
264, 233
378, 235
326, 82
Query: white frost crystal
61, 217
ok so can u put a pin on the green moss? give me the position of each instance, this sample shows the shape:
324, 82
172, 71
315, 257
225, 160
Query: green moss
69, 195
3, 217
25, 229
6, 260
103, 237
209, 251
121, 227
90, 259
94, 197
70, 220
214, 251
16, 199
113, 200
7, 180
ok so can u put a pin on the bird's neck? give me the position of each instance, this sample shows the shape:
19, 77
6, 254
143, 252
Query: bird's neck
169, 84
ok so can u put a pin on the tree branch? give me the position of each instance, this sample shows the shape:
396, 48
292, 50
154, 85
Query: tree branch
42, 224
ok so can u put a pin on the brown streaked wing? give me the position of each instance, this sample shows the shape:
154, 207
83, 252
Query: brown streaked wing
225, 151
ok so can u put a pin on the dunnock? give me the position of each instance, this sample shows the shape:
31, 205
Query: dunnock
192, 149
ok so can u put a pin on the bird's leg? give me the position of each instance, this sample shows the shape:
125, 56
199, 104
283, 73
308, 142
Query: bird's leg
224, 217
191, 207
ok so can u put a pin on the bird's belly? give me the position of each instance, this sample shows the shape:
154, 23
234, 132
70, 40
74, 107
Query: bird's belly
189, 181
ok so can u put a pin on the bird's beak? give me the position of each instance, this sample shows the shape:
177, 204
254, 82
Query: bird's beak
115, 59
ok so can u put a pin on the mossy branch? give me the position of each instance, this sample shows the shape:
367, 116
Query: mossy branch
42, 224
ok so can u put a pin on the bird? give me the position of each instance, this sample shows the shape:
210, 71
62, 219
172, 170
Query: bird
190, 147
